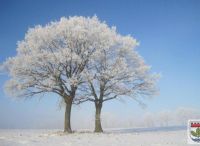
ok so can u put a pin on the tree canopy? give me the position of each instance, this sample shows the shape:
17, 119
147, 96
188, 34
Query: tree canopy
81, 59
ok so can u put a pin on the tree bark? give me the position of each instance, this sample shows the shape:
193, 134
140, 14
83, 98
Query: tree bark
98, 127
67, 124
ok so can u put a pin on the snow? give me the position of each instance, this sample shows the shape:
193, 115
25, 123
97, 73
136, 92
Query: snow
151, 137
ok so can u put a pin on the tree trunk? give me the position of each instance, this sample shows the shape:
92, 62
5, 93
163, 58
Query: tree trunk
67, 123
98, 127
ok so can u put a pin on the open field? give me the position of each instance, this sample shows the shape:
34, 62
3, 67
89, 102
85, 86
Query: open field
128, 137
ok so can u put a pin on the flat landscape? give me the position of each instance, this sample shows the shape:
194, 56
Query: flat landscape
99, 72
128, 137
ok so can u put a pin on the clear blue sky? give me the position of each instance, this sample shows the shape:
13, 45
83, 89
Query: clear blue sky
169, 36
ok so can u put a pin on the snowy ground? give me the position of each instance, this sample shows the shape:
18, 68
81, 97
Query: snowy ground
135, 137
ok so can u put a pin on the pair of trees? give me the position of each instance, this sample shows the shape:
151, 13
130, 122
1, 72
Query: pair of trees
80, 59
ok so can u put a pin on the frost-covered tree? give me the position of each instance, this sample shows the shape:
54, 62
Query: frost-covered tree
164, 117
183, 114
116, 71
52, 58
149, 120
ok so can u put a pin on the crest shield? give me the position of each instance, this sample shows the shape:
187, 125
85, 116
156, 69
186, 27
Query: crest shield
194, 131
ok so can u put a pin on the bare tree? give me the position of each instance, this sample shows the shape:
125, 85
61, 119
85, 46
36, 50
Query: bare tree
116, 71
52, 58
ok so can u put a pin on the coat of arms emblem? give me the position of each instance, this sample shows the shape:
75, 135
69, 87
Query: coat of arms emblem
194, 131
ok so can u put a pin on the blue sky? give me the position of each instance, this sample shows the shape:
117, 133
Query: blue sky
169, 36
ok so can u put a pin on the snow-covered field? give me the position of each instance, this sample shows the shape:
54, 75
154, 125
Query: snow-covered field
152, 137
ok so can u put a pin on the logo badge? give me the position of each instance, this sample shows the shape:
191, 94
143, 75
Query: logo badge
194, 131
